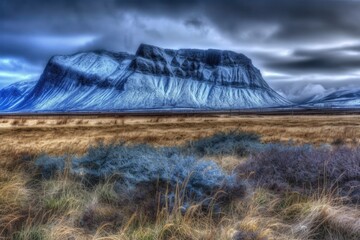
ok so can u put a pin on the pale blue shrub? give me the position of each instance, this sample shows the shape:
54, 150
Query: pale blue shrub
142, 167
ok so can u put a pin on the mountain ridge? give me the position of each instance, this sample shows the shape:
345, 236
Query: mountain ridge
152, 78
343, 98
14, 93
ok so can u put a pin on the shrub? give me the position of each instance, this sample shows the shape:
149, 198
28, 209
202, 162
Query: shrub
338, 141
49, 165
40, 122
18, 122
239, 143
148, 175
306, 169
63, 121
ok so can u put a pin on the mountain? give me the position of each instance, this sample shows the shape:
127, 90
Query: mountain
344, 98
15, 93
153, 78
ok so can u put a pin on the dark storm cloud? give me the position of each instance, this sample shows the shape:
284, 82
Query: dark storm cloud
291, 41
325, 60
259, 20
194, 22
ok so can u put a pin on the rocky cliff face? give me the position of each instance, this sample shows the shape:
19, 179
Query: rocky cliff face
153, 78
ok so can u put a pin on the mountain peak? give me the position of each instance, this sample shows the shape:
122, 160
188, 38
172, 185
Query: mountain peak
211, 57
153, 78
152, 52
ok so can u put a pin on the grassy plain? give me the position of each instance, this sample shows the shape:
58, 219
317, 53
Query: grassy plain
59, 134
50, 209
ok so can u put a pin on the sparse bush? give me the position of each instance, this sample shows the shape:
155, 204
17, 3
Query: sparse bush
154, 120
306, 169
62, 121
40, 122
239, 143
338, 141
142, 173
19, 122
79, 122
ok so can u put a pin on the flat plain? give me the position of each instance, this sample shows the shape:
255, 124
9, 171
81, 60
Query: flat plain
60, 134
51, 208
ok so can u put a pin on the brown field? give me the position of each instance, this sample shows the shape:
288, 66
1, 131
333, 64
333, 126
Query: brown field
63, 134
51, 208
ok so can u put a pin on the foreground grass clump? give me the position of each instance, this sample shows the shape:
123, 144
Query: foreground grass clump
35, 233
13, 198
61, 196
325, 218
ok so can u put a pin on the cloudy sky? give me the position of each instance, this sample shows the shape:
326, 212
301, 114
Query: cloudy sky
303, 48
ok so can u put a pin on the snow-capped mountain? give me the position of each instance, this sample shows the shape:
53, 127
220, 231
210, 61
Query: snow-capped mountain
15, 93
344, 98
153, 78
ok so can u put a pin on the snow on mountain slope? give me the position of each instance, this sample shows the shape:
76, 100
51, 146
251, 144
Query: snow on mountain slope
14, 93
153, 78
345, 98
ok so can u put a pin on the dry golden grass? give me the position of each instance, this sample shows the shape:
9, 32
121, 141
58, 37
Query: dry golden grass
51, 209
72, 134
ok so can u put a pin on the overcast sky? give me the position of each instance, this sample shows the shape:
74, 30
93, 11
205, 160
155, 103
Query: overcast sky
302, 48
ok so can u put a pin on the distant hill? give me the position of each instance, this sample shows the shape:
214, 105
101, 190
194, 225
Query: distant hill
349, 98
14, 93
